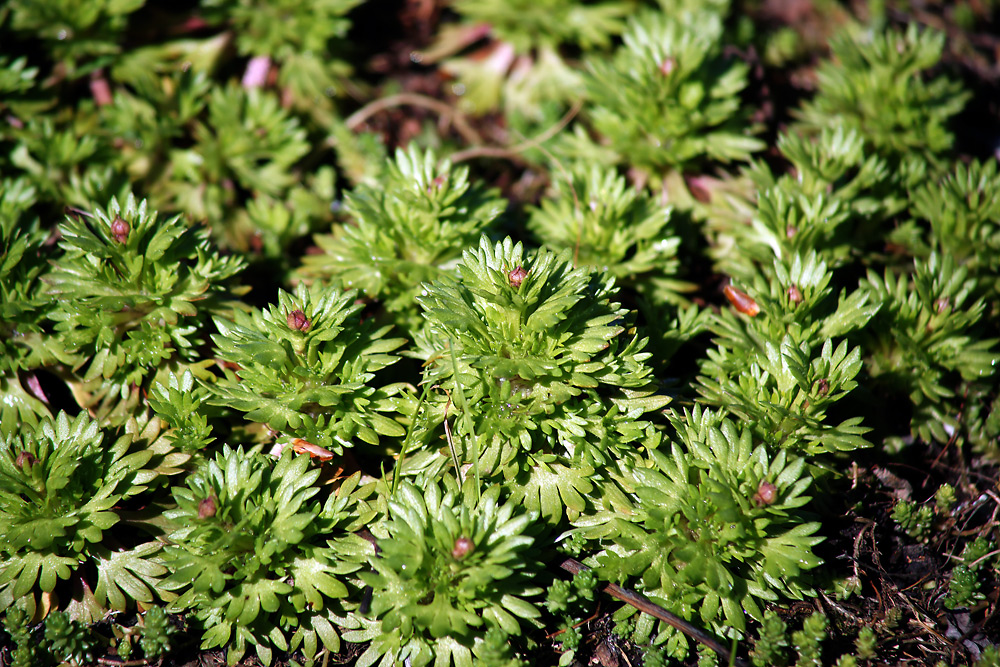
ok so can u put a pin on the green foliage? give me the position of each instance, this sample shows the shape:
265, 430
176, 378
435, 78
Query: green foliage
717, 528
528, 23
923, 342
450, 567
557, 378
668, 99
259, 562
865, 644
126, 289
614, 228
914, 519
807, 640
875, 84
779, 369
24, 652
68, 640
409, 229
156, 631
60, 487
772, 642
304, 367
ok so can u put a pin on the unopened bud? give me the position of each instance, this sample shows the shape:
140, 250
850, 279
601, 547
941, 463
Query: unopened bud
794, 294
766, 494
297, 320
517, 276
120, 229
667, 66
206, 508
822, 386
463, 546
25, 459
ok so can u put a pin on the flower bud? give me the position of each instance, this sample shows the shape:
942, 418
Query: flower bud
206, 508
517, 276
463, 546
25, 459
794, 294
766, 494
297, 320
120, 229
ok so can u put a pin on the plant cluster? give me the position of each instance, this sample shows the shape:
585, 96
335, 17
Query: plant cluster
259, 376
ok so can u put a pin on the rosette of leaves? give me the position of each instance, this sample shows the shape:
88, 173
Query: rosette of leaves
61, 488
305, 367
451, 569
125, 290
79, 37
667, 99
22, 308
717, 528
927, 342
305, 42
877, 84
613, 227
831, 201
962, 214
408, 229
544, 378
247, 139
780, 369
260, 561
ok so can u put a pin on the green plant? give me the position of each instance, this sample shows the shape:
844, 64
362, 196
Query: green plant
259, 562
716, 528
125, 292
667, 98
865, 644
61, 488
68, 640
925, 341
304, 368
409, 229
874, 83
914, 519
807, 640
450, 567
156, 631
772, 642
555, 373
24, 652
613, 227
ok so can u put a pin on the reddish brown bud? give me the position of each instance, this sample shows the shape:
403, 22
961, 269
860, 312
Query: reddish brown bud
794, 294
822, 386
120, 229
297, 320
206, 508
766, 494
25, 459
942, 304
463, 546
668, 65
517, 276
790, 232
741, 301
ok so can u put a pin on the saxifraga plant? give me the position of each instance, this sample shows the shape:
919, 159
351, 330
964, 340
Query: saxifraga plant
452, 573
542, 375
407, 230
60, 491
304, 368
668, 99
260, 562
716, 529
132, 294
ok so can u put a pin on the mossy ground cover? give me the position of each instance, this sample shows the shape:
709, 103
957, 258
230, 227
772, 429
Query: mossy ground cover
543, 332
